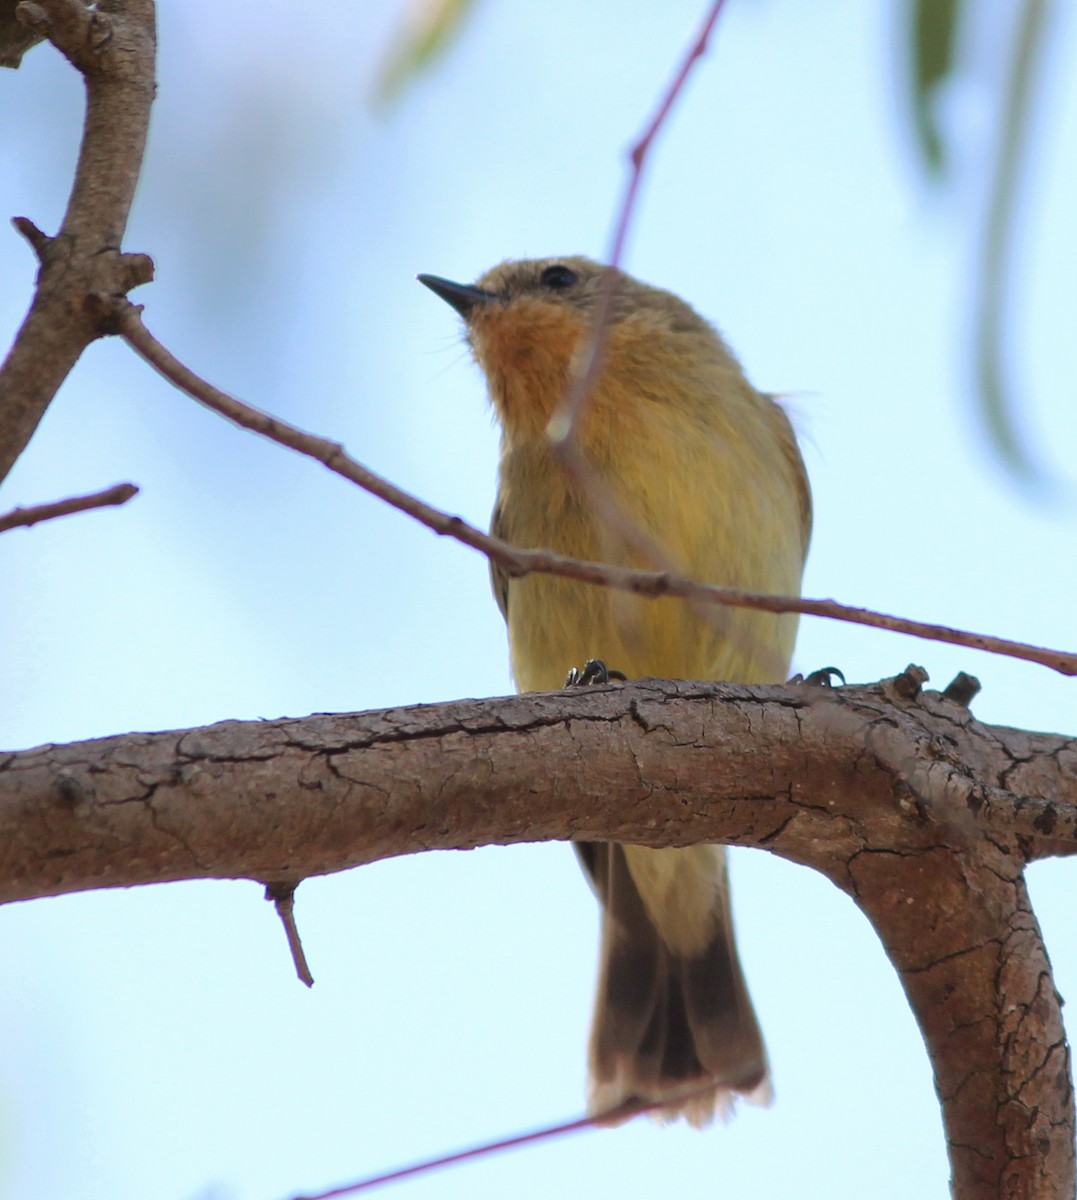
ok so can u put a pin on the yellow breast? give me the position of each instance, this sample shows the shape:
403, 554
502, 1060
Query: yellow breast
714, 486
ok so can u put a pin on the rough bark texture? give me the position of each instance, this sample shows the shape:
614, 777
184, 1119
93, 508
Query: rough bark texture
925, 817
113, 45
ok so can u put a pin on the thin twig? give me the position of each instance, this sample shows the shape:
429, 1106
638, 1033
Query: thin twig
120, 493
613, 1116
613, 521
564, 426
283, 897
518, 562
448, 1160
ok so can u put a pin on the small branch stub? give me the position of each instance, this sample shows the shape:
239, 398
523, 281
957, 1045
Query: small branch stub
39, 240
962, 689
283, 897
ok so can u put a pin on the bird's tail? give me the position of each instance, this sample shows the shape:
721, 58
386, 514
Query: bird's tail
673, 1021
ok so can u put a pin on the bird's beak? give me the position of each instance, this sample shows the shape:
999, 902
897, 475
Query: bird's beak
464, 297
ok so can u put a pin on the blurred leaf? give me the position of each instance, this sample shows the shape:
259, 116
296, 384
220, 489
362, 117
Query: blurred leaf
429, 29
934, 35
996, 397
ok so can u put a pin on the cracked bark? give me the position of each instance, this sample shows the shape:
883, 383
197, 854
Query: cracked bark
922, 815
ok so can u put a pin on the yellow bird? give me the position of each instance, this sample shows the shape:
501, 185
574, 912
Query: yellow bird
704, 466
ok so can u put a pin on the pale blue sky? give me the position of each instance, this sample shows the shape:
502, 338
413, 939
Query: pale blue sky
157, 1043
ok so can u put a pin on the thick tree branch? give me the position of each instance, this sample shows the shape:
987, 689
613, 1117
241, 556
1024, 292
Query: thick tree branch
16, 37
680, 762
113, 44
900, 797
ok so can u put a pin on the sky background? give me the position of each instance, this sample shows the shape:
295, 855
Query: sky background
156, 1041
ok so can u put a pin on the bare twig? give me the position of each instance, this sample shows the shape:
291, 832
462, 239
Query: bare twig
517, 562
283, 898
563, 429
565, 423
622, 1112
120, 493
613, 522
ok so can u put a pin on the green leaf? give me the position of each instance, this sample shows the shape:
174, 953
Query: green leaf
934, 36
996, 399
429, 29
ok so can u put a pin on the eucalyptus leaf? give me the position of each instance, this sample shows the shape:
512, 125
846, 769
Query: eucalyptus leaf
994, 288
429, 29
934, 34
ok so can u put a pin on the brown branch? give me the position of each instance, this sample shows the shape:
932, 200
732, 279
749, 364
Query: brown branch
113, 46
145, 808
549, 1133
75, 29
39, 241
864, 784
563, 430
120, 493
15, 36
128, 322
283, 897
585, 376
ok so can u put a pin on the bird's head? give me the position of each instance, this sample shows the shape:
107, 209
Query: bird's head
527, 320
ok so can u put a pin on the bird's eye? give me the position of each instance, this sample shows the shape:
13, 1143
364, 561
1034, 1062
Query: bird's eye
558, 277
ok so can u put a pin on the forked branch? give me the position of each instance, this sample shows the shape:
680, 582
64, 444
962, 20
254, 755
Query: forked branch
880, 788
114, 46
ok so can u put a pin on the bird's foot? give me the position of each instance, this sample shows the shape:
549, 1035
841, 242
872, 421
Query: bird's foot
594, 671
824, 677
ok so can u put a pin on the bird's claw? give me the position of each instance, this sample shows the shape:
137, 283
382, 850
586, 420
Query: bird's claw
594, 671
824, 677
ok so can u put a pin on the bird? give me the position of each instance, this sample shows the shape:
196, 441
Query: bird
699, 463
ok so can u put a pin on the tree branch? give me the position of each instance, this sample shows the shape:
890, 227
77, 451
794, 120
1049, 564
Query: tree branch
127, 320
586, 371
564, 427
681, 763
900, 797
113, 44
16, 37
119, 493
